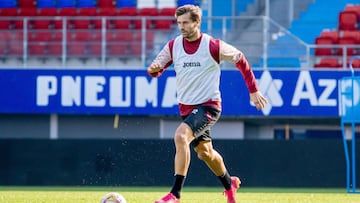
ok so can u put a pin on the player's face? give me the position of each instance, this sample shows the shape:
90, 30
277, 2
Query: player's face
188, 28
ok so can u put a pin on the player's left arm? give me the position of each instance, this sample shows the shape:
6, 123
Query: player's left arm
231, 54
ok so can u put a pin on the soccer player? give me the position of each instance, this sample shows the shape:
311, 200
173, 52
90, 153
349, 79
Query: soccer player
196, 57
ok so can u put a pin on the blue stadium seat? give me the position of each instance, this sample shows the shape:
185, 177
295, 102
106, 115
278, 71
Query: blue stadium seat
8, 4
86, 3
66, 3
183, 2
46, 3
125, 3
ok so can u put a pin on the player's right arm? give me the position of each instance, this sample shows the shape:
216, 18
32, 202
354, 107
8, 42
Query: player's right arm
161, 62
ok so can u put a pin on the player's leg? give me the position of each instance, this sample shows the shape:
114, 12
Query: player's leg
183, 137
214, 161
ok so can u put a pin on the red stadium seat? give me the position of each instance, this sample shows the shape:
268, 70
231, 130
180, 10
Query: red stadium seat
348, 37
106, 3
55, 45
16, 49
165, 24
9, 12
349, 51
328, 63
5, 36
145, 12
118, 42
118, 49
27, 3
38, 43
65, 12
352, 7
5, 24
325, 40
351, 34
348, 20
125, 23
84, 22
16, 46
25, 12
95, 46
355, 63
105, 12
328, 37
45, 23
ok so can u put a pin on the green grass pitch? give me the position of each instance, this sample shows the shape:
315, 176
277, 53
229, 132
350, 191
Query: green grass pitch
189, 195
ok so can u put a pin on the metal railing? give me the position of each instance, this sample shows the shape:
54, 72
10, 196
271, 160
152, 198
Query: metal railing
265, 43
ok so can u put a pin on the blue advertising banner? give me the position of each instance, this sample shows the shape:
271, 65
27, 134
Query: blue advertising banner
349, 99
133, 92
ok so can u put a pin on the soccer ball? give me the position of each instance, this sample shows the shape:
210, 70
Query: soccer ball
113, 197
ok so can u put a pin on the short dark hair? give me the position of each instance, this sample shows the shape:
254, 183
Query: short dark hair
195, 12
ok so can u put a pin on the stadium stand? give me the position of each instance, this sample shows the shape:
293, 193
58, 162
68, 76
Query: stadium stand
347, 33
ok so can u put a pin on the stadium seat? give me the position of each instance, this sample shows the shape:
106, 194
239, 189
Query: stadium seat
118, 42
25, 12
5, 35
106, 3
46, 4
183, 2
164, 23
45, 23
27, 3
323, 51
8, 12
125, 3
38, 49
76, 49
349, 51
348, 20
86, 3
166, 4
352, 7
5, 24
84, 22
66, 3
55, 44
108, 11
16, 46
328, 63
348, 37
125, 23
77, 43
67, 12
146, 12
351, 34
146, 4
8, 4
355, 63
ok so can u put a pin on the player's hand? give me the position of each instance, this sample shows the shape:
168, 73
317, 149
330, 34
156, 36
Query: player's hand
154, 68
258, 99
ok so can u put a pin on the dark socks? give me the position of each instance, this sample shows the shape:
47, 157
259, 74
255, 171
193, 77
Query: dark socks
225, 180
179, 182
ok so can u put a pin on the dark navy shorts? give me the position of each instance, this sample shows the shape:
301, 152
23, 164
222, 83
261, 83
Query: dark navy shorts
201, 119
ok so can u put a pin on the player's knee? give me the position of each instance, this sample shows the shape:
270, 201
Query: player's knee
204, 155
183, 135
180, 139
